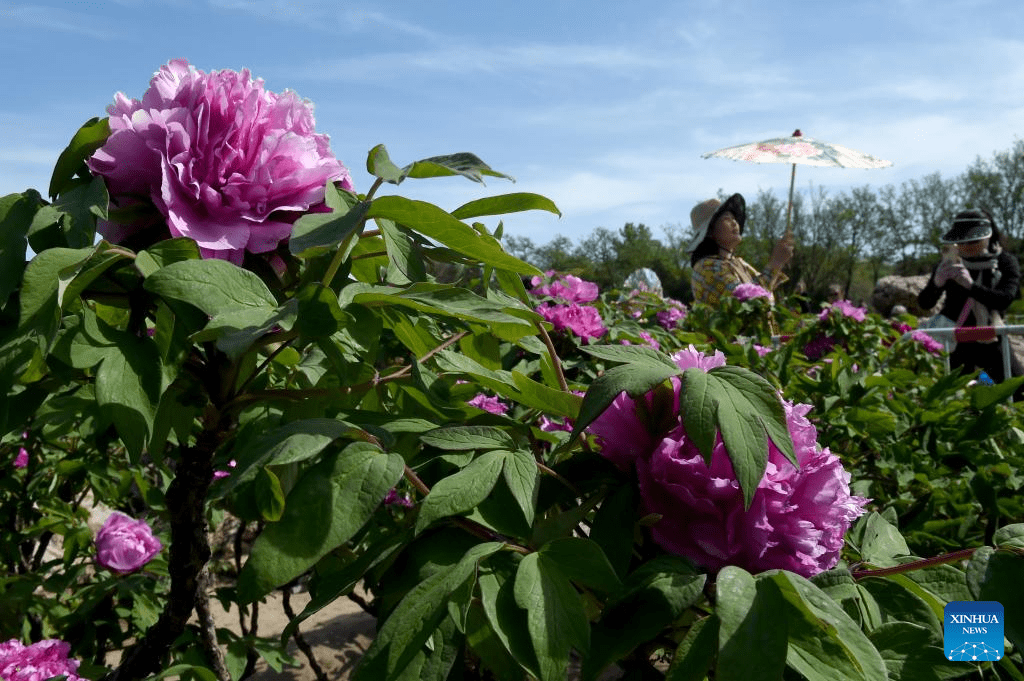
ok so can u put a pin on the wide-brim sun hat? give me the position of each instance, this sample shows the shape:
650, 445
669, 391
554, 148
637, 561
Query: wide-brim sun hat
968, 225
706, 213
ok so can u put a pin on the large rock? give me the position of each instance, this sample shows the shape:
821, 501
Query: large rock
896, 290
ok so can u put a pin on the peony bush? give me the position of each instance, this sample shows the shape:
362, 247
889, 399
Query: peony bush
217, 333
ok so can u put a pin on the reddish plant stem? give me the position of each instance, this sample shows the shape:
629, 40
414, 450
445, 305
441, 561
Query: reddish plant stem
944, 559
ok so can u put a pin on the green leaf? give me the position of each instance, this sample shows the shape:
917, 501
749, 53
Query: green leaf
614, 526
507, 619
462, 491
1009, 536
752, 635
633, 379
696, 653
81, 204
75, 280
465, 438
405, 264
555, 616
652, 598
911, 651
749, 413
549, 400
39, 293
637, 354
410, 626
71, 162
583, 562
291, 443
341, 493
236, 331
214, 286
881, 542
523, 480
379, 164
700, 411
900, 602
437, 224
504, 204
824, 643
16, 213
269, 495
440, 299
464, 163
315, 234
164, 253
1003, 575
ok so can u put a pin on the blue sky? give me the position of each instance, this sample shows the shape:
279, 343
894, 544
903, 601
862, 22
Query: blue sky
603, 107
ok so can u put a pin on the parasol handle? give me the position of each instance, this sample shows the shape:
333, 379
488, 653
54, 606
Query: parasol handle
789, 224
789, 208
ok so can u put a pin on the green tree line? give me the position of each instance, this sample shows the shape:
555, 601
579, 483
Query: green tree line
850, 239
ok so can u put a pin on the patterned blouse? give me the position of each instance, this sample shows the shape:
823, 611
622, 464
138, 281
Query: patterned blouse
715, 276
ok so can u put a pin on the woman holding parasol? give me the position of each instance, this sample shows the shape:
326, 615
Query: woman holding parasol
717, 270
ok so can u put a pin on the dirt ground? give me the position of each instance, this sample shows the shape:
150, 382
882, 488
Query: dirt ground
338, 635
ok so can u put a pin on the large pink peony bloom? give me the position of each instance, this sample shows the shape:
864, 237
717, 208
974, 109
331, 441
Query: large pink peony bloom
124, 545
224, 161
37, 662
798, 516
750, 291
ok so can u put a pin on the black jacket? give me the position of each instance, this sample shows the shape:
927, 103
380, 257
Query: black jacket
996, 297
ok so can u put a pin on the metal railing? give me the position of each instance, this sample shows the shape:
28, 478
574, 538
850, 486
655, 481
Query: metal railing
976, 333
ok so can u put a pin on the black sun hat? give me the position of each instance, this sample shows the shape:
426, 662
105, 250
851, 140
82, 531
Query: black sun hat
704, 215
968, 225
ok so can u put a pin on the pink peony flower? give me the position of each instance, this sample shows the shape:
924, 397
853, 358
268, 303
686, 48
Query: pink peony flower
750, 292
124, 545
798, 517
930, 344
491, 404
582, 320
846, 308
396, 498
567, 287
37, 662
670, 317
224, 161
21, 461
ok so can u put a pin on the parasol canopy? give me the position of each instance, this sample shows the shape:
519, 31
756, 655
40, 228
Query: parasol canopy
797, 149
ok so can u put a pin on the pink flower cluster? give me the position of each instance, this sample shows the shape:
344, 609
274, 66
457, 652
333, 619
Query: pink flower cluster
845, 308
583, 320
567, 287
124, 545
670, 317
798, 517
750, 292
224, 161
37, 662
930, 344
